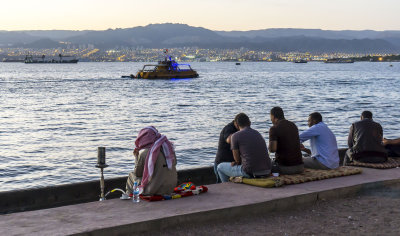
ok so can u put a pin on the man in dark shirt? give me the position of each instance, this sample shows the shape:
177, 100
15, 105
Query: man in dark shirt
365, 141
224, 153
284, 140
249, 152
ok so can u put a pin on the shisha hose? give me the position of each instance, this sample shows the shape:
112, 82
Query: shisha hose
124, 195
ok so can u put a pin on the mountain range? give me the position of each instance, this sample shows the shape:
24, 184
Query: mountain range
170, 35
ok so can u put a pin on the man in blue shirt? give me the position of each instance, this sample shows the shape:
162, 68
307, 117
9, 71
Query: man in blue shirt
324, 150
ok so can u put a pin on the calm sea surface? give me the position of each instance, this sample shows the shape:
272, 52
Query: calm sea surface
53, 117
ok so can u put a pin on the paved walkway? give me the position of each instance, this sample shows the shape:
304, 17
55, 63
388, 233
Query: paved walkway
113, 217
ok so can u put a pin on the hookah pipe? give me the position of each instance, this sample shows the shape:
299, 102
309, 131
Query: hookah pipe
101, 163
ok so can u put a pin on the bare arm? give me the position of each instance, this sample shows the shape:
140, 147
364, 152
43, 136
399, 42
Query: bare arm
228, 140
236, 156
391, 141
350, 137
304, 149
273, 145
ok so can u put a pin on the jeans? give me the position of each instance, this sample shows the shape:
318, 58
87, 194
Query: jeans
225, 170
216, 173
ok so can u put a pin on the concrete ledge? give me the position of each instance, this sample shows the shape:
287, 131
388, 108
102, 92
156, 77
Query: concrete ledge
67, 194
61, 195
223, 201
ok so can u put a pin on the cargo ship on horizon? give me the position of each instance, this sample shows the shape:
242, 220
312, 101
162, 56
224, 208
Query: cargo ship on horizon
339, 60
29, 59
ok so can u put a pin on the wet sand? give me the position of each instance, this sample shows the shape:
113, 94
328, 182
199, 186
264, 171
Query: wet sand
372, 213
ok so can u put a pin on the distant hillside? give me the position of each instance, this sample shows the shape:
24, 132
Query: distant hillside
55, 34
181, 35
42, 44
152, 36
317, 33
307, 44
15, 37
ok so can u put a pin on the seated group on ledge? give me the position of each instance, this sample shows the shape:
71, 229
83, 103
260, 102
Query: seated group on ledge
242, 151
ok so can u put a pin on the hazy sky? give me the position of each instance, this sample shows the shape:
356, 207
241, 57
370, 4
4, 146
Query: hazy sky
211, 14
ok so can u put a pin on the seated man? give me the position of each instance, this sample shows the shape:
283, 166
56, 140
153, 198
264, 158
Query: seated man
324, 150
365, 141
249, 152
284, 140
155, 164
224, 153
392, 147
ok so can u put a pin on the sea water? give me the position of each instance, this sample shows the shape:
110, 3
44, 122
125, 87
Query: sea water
54, 116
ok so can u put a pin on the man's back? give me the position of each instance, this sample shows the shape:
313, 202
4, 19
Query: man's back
366, 136
323, 144
288, 143
253, 150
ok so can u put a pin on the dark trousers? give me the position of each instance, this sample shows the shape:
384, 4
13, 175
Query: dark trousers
349, 157
393, 150
287, 170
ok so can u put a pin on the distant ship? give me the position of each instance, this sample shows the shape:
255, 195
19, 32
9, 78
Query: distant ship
339, 60
61, 59
12, 60
167, 69
300, 61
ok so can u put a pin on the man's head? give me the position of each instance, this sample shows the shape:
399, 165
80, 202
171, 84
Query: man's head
242, 121
276, 114
366, 114
314, 118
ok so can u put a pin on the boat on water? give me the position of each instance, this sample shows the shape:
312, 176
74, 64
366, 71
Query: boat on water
339, 60
167, 69
238, 63
12, 60
42, 59
300, 61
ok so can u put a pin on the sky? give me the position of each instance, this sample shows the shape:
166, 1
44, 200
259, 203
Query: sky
211, 14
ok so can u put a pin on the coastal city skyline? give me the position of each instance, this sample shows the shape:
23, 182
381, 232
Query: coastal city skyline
237, 14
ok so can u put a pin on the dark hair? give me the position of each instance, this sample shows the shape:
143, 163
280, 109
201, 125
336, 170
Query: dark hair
316, 116
242, 120
277, 112
366, 114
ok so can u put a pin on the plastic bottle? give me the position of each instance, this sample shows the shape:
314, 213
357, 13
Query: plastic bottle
135, 191
275, 171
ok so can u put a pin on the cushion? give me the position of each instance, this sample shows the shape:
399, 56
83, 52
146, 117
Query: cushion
312, 174
390, 163
259, 182
306, 176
